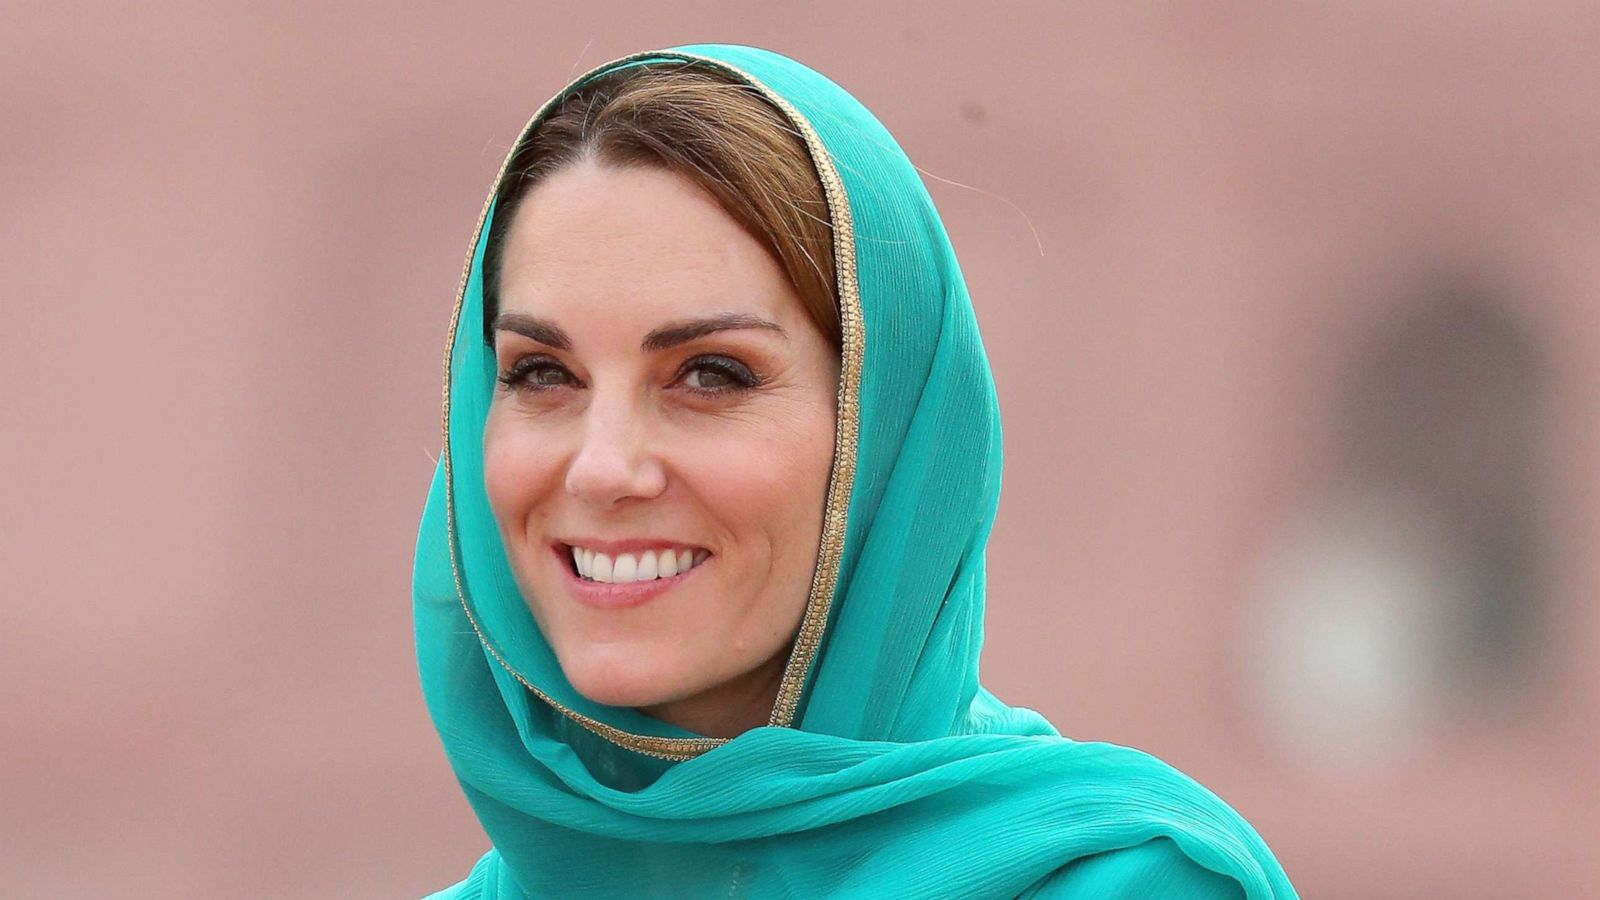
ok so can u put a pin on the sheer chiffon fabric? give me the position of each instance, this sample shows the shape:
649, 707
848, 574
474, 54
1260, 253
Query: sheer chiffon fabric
890, 771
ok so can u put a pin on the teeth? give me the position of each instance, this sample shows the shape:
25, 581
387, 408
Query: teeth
624, 570
600, 568
627, 568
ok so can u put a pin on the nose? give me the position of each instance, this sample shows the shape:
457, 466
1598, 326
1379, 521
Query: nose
616, 460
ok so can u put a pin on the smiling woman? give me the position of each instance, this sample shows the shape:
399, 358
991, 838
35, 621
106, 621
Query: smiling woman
699, 586
658, 452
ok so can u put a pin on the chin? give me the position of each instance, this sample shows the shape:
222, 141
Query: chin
603, 680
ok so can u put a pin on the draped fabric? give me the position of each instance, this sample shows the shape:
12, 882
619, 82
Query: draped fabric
887, 770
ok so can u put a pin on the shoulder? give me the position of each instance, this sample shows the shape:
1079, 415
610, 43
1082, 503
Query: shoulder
480, 884
1180, 839
1155, 868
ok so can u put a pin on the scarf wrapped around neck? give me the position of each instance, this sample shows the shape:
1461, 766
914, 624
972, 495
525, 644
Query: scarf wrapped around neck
886, 769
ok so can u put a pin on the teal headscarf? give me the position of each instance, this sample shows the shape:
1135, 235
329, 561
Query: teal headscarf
887, 769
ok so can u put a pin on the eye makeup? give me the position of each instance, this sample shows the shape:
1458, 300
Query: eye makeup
529, 373
734, 375
726, 374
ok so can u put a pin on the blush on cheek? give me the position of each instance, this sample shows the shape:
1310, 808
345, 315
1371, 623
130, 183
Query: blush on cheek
515, 474
498, 486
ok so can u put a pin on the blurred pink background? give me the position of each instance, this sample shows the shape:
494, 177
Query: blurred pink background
1301, 408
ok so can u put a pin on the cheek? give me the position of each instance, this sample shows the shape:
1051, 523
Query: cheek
768, 486
518, 469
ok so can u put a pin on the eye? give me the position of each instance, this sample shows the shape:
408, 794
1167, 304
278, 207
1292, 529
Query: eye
717, 375
536, 373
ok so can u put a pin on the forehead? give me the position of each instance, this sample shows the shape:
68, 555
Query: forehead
634, 241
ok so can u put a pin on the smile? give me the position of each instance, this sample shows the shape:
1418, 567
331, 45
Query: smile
635, 566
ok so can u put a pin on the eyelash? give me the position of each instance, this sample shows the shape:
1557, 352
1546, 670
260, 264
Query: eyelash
518, 377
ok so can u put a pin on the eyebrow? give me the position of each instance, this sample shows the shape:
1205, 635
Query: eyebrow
535, 329
663, 338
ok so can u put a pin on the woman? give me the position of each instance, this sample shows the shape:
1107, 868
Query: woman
699, 585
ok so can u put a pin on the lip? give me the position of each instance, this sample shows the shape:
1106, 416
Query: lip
600, 595
613, 548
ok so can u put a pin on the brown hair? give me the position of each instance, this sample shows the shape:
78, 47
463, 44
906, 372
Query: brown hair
697, 122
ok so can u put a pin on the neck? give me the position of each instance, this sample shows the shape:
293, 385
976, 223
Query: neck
729, 709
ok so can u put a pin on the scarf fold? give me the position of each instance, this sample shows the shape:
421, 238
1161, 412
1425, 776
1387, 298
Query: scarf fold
888, 769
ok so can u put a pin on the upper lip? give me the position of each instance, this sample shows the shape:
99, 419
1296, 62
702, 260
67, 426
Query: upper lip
630, 545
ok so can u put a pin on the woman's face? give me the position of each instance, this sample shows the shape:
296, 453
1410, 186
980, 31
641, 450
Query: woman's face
666, 408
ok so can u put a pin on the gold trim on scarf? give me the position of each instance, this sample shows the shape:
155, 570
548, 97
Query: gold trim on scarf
825, 578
